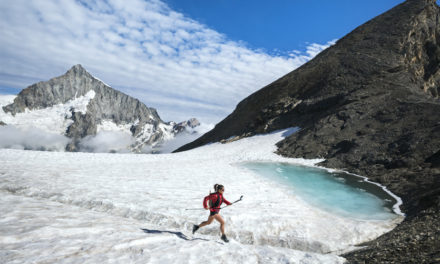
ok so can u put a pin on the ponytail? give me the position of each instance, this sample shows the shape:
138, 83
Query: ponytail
217, 187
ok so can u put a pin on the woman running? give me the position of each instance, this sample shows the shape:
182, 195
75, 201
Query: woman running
215, 201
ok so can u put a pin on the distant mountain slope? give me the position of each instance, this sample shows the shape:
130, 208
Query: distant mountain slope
370, 105
83, 106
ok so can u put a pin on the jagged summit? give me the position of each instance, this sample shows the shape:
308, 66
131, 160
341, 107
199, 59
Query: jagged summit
74, 83
77, 69
104, 106
369, 105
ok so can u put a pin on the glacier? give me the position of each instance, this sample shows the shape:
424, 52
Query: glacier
69, 207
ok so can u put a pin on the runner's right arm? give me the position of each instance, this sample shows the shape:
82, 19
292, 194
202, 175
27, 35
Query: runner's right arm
205, 202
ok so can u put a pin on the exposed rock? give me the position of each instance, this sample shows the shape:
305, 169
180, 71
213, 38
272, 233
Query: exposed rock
182, 126
107, 104
368, 104
2, 123
416, 240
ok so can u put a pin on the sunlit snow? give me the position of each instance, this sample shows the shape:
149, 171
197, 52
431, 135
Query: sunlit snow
90, 208
54, 119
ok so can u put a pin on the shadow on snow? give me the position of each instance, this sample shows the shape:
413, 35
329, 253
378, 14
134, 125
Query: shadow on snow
178, 234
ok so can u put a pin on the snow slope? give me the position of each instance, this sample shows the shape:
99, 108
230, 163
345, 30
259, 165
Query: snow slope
89, 207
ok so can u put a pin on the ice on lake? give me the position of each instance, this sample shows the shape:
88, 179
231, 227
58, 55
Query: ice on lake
341, 193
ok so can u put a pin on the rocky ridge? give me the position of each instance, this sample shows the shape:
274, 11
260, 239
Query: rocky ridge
186, 125
368, 105
107, 105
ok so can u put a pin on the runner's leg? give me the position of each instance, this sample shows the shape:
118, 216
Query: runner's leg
219, 218
207, 222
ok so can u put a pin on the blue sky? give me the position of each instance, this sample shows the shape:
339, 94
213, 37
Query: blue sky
282, 25
186, 58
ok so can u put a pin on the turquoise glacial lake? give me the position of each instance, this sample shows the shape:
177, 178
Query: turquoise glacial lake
338, 193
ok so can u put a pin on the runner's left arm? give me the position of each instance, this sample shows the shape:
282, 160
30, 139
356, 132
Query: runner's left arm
226, 201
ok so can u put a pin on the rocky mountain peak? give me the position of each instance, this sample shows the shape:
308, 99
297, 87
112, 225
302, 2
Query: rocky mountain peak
74, 83
104, 106
77, 71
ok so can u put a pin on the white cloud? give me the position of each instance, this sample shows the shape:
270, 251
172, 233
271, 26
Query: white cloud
142, 48
31, 138
107, 141
183, 138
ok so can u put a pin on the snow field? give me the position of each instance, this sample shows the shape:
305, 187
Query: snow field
93, 207
52, 232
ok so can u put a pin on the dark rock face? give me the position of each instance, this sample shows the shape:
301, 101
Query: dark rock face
368, 104
83, 125
107, 104
415, 240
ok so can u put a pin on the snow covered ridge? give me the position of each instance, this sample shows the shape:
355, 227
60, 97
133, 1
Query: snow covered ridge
91, 115
116, 207
55, 119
